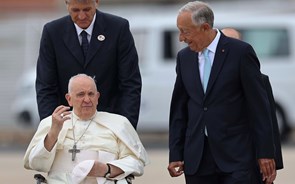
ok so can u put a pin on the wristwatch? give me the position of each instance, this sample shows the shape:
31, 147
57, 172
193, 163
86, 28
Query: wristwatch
108, 173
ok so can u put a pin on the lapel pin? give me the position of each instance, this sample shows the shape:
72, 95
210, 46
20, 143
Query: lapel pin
101, 37
222, 50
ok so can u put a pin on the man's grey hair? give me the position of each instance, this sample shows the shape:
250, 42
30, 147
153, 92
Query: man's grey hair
201, 12
70, 85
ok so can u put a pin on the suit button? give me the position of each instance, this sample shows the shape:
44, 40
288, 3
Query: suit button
205, 108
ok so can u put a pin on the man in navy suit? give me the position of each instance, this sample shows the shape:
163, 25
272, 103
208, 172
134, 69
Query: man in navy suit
231, 32
111, 58
216, 131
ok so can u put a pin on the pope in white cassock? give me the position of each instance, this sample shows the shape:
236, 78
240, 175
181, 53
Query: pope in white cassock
84, 145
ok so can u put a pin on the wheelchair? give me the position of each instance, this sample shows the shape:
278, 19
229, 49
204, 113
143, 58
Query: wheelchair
39, 178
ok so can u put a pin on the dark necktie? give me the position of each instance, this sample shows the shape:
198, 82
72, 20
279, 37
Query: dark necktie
85, 43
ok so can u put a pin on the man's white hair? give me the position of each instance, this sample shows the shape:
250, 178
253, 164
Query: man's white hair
201, 12
70, 85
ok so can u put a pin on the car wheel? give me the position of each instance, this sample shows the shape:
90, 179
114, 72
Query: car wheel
284, 128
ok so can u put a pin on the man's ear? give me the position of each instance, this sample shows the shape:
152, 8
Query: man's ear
68, 97
96, 3
205, 27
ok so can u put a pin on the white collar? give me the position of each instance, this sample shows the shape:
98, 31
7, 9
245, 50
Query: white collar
213, 45
75, 117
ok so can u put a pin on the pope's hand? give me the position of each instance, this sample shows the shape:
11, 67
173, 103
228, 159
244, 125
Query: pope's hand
59, 116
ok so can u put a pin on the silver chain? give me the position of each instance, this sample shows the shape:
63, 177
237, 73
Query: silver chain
75, 142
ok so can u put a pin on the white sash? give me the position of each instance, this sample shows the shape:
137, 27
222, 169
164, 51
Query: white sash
64, 164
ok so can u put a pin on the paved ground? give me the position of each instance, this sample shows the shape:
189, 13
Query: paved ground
12, 171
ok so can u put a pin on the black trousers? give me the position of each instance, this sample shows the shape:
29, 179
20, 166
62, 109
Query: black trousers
209, 173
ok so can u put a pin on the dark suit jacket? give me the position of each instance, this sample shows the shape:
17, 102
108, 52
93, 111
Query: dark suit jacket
276, 133
275, 127
113, 62
234, 108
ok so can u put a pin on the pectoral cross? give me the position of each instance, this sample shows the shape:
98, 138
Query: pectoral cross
74, 151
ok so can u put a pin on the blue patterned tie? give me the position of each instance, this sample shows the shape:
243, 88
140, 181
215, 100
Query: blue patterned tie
85, 43
207, 69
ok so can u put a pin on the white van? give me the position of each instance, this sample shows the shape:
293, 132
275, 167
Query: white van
273, 38
156, 39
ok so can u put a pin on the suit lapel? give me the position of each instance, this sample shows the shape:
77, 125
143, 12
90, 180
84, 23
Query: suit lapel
72, 41
219, 60
98, 37
192, 71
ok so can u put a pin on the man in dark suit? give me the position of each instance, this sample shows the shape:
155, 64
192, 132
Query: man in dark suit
275, 126
276, 134
231, 32
107, 53
213, 124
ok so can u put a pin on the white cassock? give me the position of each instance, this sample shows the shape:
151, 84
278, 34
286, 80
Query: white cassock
110, 138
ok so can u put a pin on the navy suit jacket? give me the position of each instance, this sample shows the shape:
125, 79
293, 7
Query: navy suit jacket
234, 110
112, 61
275, 126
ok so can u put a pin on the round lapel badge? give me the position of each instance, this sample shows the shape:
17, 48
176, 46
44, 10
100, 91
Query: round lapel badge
101, 37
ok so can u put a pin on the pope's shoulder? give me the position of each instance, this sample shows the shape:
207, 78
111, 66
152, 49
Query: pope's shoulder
111, 117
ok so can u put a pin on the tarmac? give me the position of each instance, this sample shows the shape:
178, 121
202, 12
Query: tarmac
12, 170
